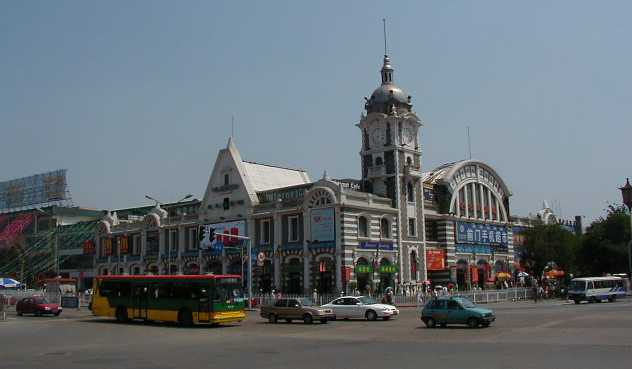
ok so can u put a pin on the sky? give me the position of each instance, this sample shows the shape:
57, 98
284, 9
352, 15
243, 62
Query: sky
136, 98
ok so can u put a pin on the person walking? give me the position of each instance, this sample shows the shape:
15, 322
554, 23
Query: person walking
535, 292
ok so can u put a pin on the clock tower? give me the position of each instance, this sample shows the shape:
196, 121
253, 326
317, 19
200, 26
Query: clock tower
391, 167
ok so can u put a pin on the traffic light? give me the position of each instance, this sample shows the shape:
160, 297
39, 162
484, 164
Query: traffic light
211, 234
201, 233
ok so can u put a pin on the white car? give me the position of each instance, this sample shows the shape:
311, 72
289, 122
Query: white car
364, 307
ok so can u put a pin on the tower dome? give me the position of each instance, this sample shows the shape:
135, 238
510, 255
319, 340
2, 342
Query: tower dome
388, 94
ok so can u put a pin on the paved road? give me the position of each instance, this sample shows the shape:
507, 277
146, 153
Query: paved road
549, 335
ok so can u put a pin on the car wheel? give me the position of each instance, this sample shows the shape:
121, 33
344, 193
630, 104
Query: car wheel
485, 324
57, 313
472, 323
272, 319
443, 325
577, 301
121, 314
38, 313
430, 322
307, 319
592, 300
323, 321
185, 317
386, 318
19, 313
288, 320
371, 315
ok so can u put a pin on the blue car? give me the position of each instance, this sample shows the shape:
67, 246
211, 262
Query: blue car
455, 310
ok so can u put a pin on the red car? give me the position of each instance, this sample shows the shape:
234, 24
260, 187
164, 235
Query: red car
36, 305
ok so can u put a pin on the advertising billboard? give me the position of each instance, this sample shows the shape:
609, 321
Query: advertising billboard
237, 228
322, 225
42, 188
435, 259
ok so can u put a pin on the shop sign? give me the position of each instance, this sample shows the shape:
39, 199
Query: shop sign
346, 273
478, 249
376, 246
363, 268
388, 268
323, 225
435, 259
292, 194
484, 234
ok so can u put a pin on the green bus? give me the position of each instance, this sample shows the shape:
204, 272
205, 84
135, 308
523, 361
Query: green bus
185, 299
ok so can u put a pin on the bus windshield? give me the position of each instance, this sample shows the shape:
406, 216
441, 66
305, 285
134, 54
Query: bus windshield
228, 290
578, 285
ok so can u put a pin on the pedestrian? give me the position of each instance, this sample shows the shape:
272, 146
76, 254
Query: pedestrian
535, 292
315, 296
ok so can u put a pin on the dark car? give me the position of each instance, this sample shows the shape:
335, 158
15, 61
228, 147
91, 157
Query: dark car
455, 310
36, 305
296, 309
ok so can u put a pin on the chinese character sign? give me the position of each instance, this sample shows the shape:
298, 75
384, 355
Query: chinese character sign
483, 234
322, 225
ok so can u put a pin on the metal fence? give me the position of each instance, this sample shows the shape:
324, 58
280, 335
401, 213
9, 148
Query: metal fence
479, 297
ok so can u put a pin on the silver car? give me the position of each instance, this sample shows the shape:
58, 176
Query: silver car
363, 307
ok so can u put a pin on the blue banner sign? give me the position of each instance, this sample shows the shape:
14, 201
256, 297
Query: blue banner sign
376, 246
478, 249
482, 234
323, 225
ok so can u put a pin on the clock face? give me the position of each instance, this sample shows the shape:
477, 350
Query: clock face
378, 137
408, 135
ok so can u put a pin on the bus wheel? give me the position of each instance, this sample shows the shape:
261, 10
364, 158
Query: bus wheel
121, 314
185, 318
577, 301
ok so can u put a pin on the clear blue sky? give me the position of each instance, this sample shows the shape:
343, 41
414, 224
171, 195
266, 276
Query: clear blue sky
136, 97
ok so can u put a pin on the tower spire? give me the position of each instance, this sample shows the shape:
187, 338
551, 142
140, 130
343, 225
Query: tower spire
387, 69
385, 49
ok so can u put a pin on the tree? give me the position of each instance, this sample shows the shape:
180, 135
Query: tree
549, 243
604, 246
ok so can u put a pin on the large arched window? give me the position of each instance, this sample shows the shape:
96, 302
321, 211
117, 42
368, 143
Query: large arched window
410, 192
363, 228
385, 231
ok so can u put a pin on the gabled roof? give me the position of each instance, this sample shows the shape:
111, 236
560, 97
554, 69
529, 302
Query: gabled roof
264, 177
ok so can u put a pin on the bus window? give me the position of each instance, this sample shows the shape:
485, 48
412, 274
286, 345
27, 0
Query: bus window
108, 288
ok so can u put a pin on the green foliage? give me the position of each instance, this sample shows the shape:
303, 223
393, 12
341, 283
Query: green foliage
604, 246
550, 243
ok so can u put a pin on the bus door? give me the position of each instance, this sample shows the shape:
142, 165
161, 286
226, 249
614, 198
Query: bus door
140, 296
204, 304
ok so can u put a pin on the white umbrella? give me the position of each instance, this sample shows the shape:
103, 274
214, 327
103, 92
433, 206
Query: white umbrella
523, 274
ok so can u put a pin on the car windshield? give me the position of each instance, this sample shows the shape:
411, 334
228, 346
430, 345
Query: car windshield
307, 302
367, 300
465, 302
40, 300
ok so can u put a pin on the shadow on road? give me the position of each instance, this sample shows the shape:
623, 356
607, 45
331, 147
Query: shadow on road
158, 324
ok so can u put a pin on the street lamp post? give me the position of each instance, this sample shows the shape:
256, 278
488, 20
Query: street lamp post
626, 193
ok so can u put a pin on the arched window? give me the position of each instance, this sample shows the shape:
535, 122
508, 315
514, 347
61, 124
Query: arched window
385, 231
409, 161
410, 191
363, 229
